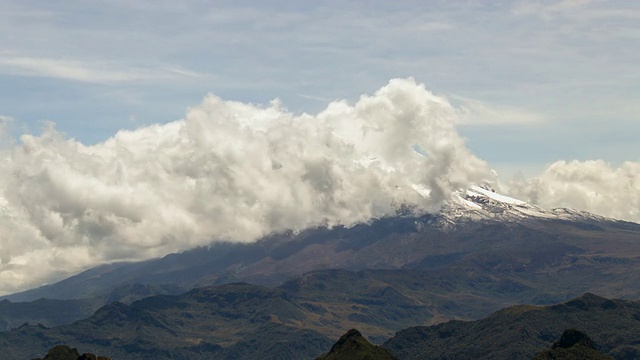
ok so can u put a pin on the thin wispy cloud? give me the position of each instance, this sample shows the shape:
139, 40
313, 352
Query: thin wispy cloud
90, 72
316, 98
475, 112
5, 123
547, 9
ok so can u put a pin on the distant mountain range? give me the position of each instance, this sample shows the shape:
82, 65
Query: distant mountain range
242, 321
481, 253
478, 233
236, 321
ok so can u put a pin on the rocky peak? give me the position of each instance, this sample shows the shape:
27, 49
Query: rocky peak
353, 346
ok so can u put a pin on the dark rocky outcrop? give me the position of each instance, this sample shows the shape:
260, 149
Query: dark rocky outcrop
61, 352
64, 352
573, 344
353, 346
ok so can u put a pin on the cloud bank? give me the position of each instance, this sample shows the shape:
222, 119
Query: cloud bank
227, 171
235, 172
592, 186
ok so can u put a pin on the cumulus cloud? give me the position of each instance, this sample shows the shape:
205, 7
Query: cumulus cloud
227, 171
236, 172
593, 186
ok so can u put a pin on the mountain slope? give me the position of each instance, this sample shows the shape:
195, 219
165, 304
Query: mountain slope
53, 312
242, 321
520, 332
325, 303
236, 321
45, 311
497, 237
483, 252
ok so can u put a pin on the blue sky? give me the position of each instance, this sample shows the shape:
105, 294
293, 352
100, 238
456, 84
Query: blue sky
544, 80
132, 129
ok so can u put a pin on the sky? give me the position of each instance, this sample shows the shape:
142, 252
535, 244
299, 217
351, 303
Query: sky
131, 129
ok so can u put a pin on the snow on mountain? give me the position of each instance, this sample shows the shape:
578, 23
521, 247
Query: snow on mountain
481, 202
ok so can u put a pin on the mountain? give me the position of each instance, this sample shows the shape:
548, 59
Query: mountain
45, 311
478, 232
352, 346
243, 321
53, 312
235, 321
326, 303
520, 332
482, 203
483, 252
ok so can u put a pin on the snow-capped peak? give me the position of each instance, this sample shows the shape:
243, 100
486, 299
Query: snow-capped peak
481, 202
479, 191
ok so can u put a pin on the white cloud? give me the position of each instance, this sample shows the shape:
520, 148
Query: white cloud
5, 121
566, 69
475, 112
593, 186
6, 127
229, 171
90, 72
236, 171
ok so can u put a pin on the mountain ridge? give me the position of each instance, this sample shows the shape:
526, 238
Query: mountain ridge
391, 242
520, 332
253, 322
426, 273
